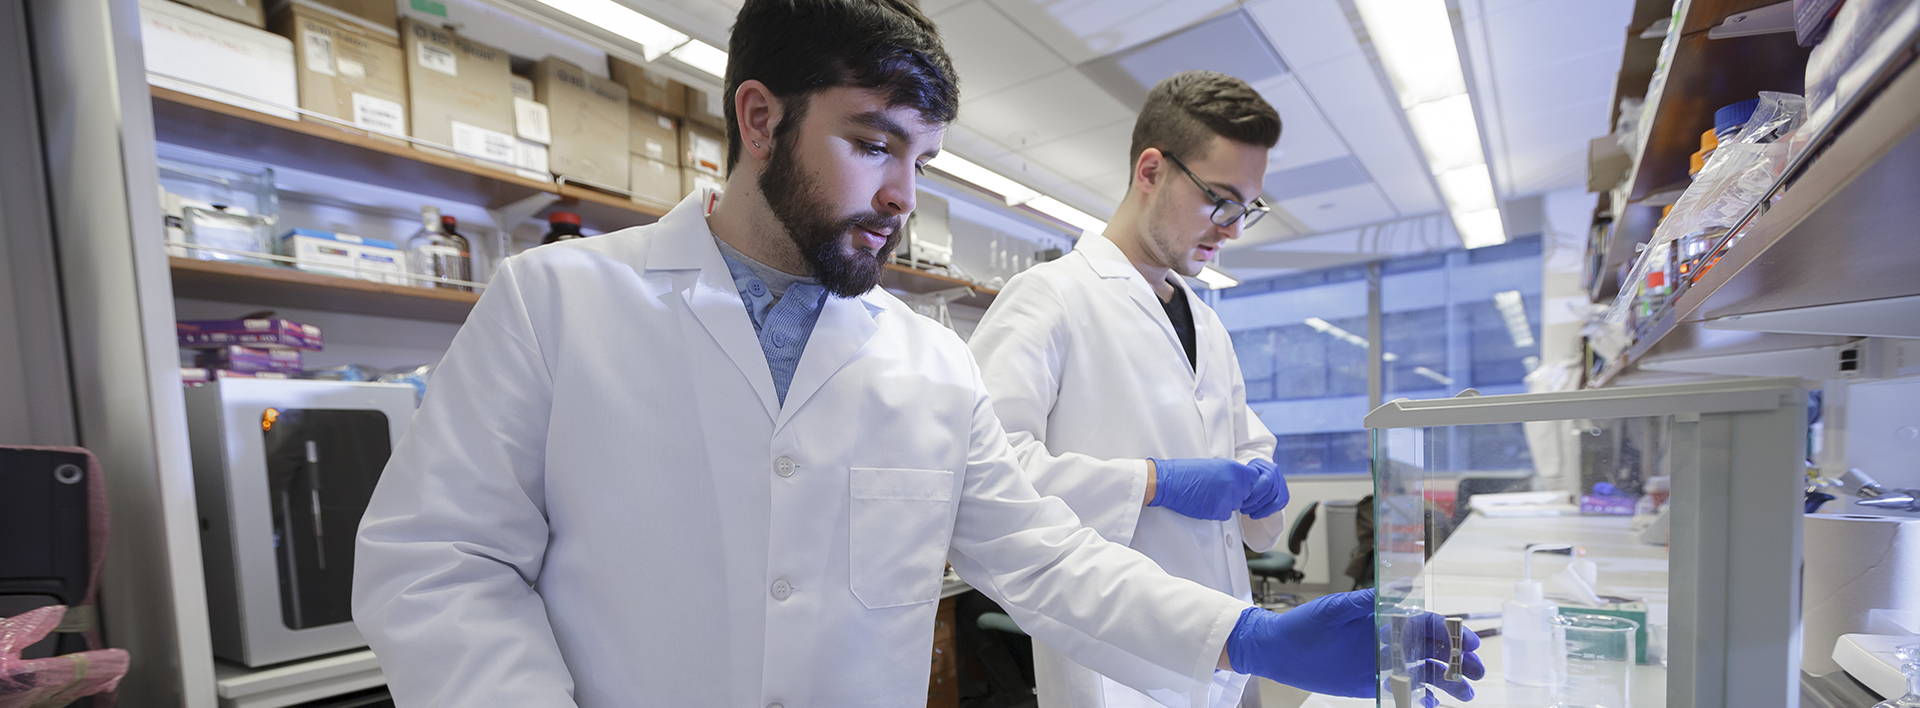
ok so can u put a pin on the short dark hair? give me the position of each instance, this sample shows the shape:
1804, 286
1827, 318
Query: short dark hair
1185, 111
797, 47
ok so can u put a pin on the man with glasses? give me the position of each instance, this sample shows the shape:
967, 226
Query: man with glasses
1119, 388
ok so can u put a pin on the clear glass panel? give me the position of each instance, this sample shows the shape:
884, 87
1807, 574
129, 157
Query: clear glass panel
1456, 509
222, 202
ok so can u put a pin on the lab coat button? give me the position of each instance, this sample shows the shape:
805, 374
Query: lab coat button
784, 466
1199, 395
782, 589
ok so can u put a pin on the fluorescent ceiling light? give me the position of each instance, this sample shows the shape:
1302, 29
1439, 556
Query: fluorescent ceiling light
1069, 215
702, 56
1514, 311
1447, 132
1467, 189
1480, 228
1442, 379
1217, 279
1013, 192
1414, 40
654, 38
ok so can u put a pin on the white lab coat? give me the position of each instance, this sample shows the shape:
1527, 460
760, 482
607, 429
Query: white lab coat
1089, 378
601, 503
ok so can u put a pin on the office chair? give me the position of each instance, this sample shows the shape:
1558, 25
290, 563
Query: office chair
1281, 566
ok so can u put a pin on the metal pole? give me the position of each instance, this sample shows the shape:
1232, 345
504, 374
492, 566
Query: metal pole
1376, 374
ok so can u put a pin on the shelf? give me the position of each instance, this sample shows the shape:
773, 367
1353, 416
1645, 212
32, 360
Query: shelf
913, 280
323, 148
1840, 234
298, 682
287, 287
1703, 76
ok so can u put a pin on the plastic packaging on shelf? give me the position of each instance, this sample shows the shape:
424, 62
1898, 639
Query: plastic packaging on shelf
1743, 170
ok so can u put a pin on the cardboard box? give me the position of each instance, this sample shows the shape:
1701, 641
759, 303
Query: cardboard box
379, 14
589, 122
654, 182
253, 333
459, 93
706, 108
251, 12
650, 88
345, 255
652, 135
186, 49
347, 69
692, 180
703, 148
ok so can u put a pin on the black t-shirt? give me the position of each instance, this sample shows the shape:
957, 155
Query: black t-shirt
1181, 315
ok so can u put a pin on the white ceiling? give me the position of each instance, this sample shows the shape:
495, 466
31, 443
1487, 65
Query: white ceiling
1050, 89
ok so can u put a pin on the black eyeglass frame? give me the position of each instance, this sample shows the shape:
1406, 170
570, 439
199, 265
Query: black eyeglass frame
1249, 213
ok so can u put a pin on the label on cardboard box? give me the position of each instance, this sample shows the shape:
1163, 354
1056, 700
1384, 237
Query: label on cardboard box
482, 143
438, 59
531, 157
379, 115
319, 52
530, 121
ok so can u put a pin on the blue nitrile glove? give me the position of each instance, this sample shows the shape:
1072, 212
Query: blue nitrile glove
1202, 488
1269, 493
1329, 646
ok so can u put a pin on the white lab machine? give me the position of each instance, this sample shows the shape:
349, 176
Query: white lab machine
283, 470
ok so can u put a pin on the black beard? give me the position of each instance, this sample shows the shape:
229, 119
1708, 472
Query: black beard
821, 237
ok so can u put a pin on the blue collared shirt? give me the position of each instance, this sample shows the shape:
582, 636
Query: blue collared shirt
783, 314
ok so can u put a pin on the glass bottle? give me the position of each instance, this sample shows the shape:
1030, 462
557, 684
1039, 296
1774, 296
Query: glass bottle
434, 252
452, 227
562, 226
1909, 657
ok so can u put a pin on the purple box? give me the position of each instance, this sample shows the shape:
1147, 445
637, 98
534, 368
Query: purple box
1606, 505
250, 360
253, 333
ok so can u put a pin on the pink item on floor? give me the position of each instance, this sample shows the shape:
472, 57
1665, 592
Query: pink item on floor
56, 680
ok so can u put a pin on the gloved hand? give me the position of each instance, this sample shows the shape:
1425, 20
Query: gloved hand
1330, 646
1269, 493
1202, 488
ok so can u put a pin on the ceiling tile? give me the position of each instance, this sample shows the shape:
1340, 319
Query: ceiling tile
1350, 94
1112, 184
990, 51
935, 8
1306, 32
1305, 135
1081, 155
1083, 30
1044, 109
1230, 44
1315, 178
1546, 30
1340, 208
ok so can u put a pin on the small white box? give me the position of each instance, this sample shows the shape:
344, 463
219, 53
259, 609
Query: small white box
345, 255
194, 52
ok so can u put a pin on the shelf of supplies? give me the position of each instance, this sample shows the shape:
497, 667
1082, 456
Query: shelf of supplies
286, 287
345, 153
1841, 233
899, 276
1704, 75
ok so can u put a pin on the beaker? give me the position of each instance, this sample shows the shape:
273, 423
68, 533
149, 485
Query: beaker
1599, 660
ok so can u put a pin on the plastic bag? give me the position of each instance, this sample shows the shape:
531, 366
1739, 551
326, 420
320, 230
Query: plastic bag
56, 680
1740, 173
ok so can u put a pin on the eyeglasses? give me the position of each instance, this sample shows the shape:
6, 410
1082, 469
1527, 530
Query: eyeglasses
1225, 211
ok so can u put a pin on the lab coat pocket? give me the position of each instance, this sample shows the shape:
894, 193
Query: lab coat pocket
899, 522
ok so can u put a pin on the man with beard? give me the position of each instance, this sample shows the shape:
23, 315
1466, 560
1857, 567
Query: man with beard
707, 462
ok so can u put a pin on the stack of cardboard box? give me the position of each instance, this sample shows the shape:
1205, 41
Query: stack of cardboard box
365, 64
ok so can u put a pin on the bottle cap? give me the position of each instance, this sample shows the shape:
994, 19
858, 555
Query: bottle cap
448, 220
563, 217
1733, 116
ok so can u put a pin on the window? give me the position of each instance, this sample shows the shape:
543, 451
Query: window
1449, 321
